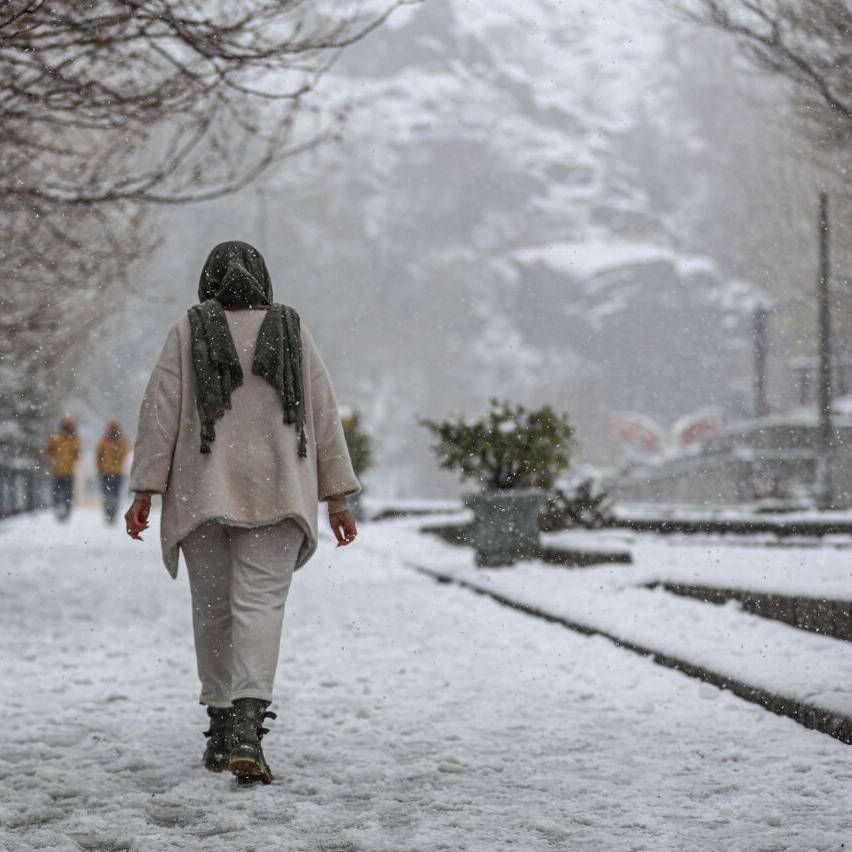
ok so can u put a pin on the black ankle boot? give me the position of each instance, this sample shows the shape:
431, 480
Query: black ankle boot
219, 737
246, 760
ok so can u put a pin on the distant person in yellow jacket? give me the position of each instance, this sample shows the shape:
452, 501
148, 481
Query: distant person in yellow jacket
110, 457
62, 453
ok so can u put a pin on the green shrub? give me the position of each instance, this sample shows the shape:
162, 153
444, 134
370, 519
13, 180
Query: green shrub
508, 448
358, 441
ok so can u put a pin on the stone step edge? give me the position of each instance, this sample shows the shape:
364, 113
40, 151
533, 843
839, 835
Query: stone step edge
836, 725
391, 514
824, 616
741, 526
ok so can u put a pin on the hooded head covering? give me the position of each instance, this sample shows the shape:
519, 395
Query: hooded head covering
235, 277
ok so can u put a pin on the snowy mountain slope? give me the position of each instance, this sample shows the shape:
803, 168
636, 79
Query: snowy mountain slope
499, 157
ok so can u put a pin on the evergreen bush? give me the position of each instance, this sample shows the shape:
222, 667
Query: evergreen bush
508, 448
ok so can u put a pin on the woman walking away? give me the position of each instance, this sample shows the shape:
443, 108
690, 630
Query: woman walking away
239, 431
110, 454
62, 453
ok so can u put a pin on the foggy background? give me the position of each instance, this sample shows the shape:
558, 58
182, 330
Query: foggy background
572, 203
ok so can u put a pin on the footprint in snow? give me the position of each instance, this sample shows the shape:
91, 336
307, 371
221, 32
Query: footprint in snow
451, 764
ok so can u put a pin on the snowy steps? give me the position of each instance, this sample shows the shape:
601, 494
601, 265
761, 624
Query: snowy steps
804, 676
818, 615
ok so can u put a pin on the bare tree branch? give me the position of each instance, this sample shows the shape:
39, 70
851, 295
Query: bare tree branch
806, 42
110, 106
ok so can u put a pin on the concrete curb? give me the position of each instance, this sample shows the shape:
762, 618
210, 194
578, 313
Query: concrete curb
810, 716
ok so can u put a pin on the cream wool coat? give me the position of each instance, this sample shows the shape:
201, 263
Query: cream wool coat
253, 475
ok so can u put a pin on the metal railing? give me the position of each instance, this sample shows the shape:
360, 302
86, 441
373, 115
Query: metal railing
22, 490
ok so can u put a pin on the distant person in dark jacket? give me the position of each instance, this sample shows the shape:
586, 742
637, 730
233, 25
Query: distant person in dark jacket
62, 454
110, 455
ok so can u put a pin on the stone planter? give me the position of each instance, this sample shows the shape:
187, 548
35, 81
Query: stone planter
505, 526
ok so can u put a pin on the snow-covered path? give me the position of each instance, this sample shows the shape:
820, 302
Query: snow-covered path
412, 716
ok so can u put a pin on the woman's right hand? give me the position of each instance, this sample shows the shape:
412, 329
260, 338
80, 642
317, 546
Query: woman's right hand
343, 527
136, 517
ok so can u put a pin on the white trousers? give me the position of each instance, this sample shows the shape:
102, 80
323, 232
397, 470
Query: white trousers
239, 578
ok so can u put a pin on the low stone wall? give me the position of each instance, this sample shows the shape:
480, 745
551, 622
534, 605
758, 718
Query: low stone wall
716, 480
460, 535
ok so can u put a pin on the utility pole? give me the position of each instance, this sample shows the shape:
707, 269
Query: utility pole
761, 352
824, 489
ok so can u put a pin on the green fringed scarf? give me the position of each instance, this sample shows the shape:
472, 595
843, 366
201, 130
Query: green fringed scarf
235, 277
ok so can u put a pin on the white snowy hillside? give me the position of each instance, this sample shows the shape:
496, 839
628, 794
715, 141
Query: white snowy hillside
519, 170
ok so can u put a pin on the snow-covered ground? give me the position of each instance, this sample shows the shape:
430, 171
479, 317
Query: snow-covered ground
413, 716
614, 599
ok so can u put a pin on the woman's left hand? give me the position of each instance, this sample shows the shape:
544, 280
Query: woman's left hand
343, 527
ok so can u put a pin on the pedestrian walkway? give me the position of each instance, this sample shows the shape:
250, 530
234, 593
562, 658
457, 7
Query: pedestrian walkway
412, 716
